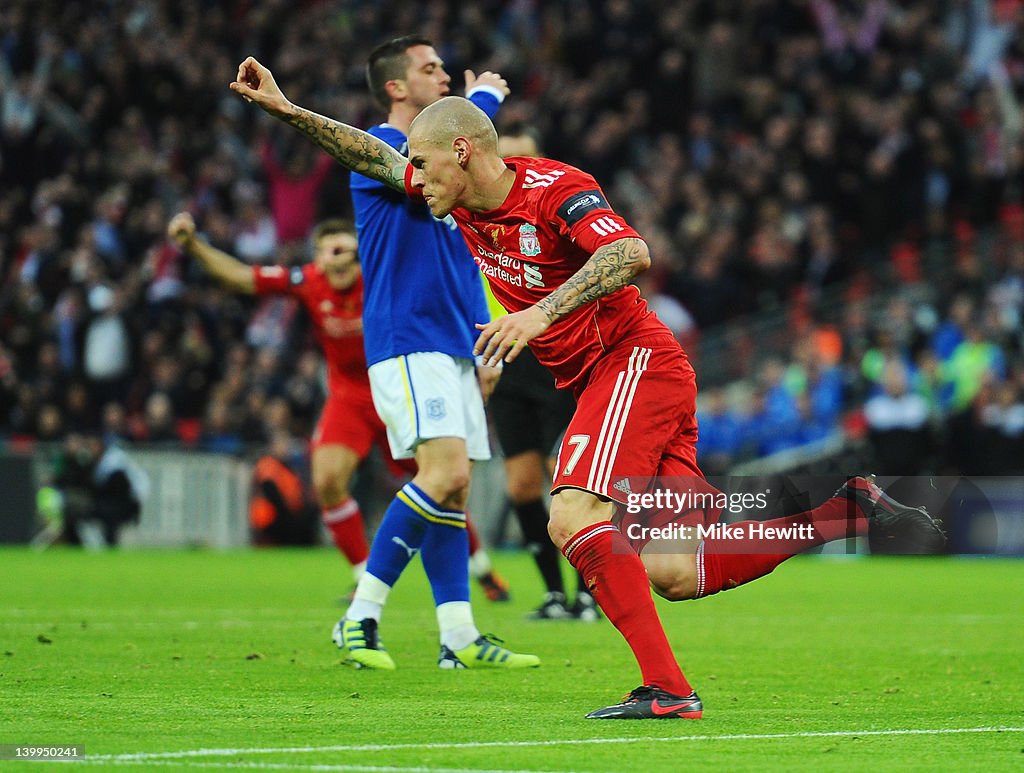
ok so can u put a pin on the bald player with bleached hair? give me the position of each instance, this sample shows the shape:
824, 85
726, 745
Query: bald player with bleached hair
561, 261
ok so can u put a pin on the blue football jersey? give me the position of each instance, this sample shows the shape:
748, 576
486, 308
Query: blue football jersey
422, 290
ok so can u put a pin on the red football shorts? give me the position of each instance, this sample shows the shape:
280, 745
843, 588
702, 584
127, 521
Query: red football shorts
348, 418
635, 426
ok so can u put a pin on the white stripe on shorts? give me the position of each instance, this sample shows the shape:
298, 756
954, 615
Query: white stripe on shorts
614, 423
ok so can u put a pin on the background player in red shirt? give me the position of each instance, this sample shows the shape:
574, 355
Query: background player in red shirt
561, 261
331, 289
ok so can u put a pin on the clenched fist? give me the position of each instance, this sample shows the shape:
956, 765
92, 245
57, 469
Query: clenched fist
182, 228
256, 83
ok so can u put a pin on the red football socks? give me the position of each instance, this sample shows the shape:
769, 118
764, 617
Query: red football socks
345, 522
740, 552
474, 538
618, 581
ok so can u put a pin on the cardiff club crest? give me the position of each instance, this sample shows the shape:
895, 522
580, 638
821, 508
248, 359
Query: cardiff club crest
435, 409
529, 244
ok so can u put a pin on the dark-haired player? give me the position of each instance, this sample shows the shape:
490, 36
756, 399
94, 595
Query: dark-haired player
422, 297
331, 290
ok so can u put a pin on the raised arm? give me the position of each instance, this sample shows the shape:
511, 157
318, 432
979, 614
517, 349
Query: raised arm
610, 268
352, 148
226, 269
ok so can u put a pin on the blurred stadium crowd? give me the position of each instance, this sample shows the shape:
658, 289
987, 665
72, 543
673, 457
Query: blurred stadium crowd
853, 169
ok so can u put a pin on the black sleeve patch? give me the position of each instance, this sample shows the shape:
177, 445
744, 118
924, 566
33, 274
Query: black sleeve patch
296, 276
580, 204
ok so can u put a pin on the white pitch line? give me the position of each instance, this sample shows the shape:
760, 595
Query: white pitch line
185, 754
315, 766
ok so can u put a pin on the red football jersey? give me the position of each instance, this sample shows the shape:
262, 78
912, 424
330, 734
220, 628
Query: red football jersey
554, 219
336, 315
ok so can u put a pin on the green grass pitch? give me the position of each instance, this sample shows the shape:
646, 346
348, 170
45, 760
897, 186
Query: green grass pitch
205, 660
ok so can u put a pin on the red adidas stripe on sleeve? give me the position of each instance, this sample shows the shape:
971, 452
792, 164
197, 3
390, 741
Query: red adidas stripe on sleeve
412, 193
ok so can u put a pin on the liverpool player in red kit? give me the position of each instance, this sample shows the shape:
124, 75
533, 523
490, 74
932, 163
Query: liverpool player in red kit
331, 290
560, 260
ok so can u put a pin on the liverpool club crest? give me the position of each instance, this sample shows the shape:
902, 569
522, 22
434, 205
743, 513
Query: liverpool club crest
497, 232
529, 244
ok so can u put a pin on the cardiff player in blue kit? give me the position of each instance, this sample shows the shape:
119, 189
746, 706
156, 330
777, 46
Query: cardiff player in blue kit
423, 295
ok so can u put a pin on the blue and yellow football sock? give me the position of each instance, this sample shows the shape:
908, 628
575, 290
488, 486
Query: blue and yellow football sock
445, 558
398, 538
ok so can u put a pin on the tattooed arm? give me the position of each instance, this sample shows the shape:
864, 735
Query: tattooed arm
352, 148
610, 268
